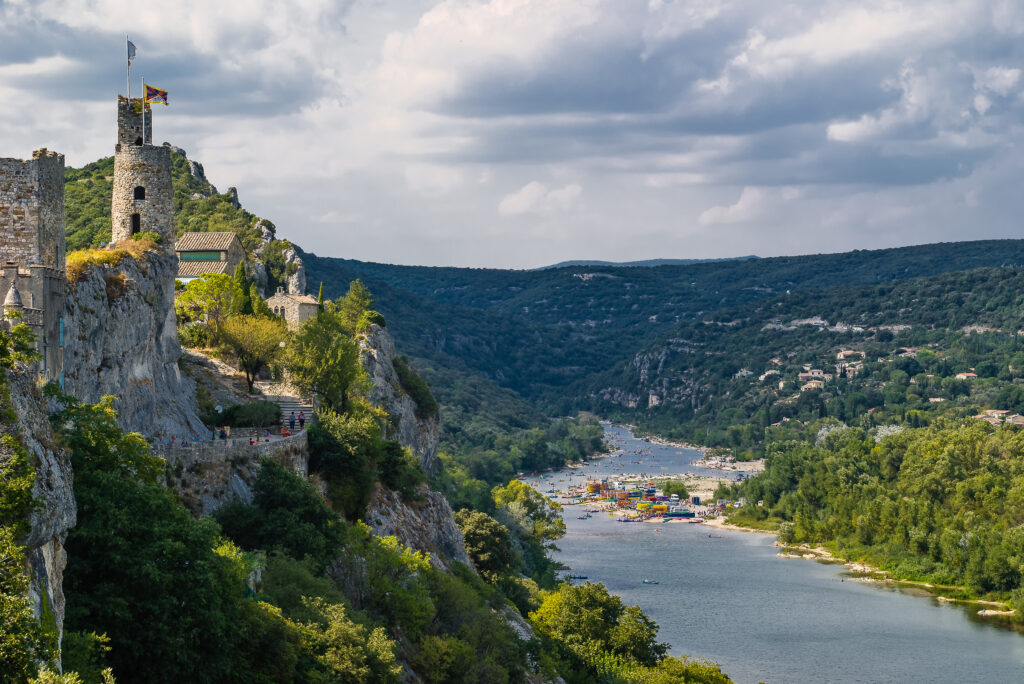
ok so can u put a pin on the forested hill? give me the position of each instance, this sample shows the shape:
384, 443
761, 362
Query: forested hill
539, 333
892, 354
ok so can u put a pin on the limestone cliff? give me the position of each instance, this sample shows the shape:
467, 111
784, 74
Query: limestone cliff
424, 526
121, 339
56, 513
421, 435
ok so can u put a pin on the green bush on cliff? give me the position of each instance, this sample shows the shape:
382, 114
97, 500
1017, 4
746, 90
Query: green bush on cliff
416, 387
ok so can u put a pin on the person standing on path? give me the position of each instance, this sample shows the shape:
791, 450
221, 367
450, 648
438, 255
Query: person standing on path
302, 420
291, 422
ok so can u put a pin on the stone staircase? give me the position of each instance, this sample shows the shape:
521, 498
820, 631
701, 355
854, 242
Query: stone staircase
289, 404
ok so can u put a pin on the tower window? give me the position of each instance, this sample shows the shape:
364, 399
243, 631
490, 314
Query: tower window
138, 142
136, 224
140, 192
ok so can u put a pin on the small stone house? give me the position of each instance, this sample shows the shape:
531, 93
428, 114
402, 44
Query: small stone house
295, 309
200, 253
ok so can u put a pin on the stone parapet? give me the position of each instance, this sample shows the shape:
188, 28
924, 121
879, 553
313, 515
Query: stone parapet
208, 474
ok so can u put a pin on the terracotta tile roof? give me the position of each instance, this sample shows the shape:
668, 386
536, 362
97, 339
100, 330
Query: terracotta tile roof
194, 269
201, 242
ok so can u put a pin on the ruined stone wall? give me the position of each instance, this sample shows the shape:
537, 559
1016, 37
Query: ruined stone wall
32, 210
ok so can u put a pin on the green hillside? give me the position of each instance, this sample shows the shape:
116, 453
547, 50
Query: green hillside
716, 380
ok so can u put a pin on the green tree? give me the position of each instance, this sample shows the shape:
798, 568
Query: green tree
320, 299
259, 305
137, 557
241, 304
323, 359
351, 307
207, 298
255, 342
591, 622
488, 544
349, 652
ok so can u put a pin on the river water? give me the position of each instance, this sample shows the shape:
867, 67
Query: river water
731, 599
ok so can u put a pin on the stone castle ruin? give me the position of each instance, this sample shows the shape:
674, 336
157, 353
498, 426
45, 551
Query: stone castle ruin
32, 253
143, 199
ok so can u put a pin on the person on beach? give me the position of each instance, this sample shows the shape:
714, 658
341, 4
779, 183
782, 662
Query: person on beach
302, 420
291, 422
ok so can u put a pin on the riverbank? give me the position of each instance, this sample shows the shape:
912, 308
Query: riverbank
863, 572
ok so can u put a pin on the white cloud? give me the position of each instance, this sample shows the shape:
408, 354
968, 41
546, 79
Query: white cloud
746, 208
536, 197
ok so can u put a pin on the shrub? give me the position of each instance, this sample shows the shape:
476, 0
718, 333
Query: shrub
252, 414
195, 336
148, 235
370, 318
416, 387
78, 262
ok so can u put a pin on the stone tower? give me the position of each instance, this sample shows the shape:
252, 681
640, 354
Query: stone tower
143, 199
32, 253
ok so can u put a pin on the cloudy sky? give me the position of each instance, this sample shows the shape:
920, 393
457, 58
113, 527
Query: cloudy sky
517, 133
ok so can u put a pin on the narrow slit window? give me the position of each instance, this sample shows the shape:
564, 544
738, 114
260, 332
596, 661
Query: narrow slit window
136, 224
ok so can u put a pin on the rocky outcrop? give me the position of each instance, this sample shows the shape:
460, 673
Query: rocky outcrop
427, 525
421, 435
297, 278
56, 512
121, 339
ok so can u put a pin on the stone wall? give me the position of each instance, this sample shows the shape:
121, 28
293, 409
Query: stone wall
149, 168
208, 474
32, 248
129, 122
32, 210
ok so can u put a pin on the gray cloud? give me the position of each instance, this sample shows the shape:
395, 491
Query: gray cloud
518, 134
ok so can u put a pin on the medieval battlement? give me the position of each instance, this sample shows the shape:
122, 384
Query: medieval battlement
129, 122
32, 210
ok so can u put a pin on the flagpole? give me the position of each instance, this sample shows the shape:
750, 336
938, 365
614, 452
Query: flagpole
128, 78
143, 79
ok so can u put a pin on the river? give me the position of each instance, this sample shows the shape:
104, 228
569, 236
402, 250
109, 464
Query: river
731, 599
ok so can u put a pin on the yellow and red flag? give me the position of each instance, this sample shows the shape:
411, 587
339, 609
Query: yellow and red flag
155, 95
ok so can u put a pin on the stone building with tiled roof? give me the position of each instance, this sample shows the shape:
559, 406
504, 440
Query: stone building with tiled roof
294, 308
200, 253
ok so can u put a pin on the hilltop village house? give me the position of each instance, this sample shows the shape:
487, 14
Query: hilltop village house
200, 253
296, 309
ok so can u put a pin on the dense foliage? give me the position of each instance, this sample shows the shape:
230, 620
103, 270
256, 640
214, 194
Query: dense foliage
941, 503
23, 640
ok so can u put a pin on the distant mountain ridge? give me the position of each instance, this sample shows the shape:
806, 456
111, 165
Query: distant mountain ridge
645, 263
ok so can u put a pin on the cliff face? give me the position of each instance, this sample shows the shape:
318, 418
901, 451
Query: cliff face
424, 526
421, 435
120, 339
57, 511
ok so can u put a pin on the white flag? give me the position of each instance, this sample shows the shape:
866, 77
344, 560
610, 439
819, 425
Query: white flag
131, 52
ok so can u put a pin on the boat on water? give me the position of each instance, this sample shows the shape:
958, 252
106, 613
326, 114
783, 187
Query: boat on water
650, 581
576, 577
